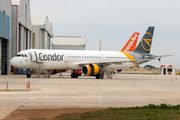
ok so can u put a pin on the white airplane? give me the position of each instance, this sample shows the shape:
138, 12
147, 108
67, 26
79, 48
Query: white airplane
92, 63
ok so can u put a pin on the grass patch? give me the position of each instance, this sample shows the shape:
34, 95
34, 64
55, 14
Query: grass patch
149, 112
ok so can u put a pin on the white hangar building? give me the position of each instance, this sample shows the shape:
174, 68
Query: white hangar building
42, 32
5, 36
20, 26
68, 43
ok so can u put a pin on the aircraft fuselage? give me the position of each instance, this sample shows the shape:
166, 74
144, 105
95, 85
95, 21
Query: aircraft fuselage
70, 59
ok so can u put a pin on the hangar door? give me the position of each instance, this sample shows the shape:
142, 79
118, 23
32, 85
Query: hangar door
4, 57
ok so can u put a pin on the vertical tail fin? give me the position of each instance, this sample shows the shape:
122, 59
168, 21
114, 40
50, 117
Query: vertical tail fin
131, 44
145, 43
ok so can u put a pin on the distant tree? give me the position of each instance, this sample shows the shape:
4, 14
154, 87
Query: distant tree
149, 67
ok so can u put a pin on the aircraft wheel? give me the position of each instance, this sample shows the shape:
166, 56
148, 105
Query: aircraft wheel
74, 75
99, 76
28, 75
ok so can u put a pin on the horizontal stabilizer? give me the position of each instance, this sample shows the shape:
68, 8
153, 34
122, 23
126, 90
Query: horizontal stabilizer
154, 57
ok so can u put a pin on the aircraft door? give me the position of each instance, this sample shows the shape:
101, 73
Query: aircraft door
34, 56
65, 57
102, 57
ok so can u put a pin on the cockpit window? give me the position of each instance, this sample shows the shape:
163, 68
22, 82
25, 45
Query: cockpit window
21, 55
18, 55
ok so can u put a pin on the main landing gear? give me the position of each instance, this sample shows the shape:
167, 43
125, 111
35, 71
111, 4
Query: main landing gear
75, 75
106, 72
100, 76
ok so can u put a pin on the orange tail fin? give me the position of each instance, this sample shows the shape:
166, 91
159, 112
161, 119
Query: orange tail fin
131, 44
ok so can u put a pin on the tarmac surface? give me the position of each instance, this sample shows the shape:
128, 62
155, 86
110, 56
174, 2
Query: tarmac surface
124, 90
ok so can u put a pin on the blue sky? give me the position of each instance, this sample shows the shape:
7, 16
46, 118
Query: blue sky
114, 21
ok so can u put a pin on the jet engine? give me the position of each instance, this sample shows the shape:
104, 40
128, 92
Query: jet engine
91, 69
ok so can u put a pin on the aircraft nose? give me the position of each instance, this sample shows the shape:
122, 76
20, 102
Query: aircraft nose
12, 62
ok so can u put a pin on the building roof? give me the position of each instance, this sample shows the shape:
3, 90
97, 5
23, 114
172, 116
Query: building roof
68, 41
40, 21
16, 2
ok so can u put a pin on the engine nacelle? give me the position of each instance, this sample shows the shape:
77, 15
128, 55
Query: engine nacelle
91, 69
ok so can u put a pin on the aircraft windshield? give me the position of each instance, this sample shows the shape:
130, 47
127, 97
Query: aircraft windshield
21, 55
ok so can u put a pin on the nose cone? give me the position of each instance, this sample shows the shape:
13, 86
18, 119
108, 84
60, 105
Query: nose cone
13, 62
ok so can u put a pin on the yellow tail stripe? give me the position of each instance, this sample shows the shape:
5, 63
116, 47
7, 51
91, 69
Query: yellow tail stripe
129, 56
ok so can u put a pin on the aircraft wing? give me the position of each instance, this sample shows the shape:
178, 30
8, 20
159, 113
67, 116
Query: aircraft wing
121, 62
115, 62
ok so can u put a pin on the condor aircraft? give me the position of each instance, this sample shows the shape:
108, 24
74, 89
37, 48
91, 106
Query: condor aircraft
128, 47
91, 63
